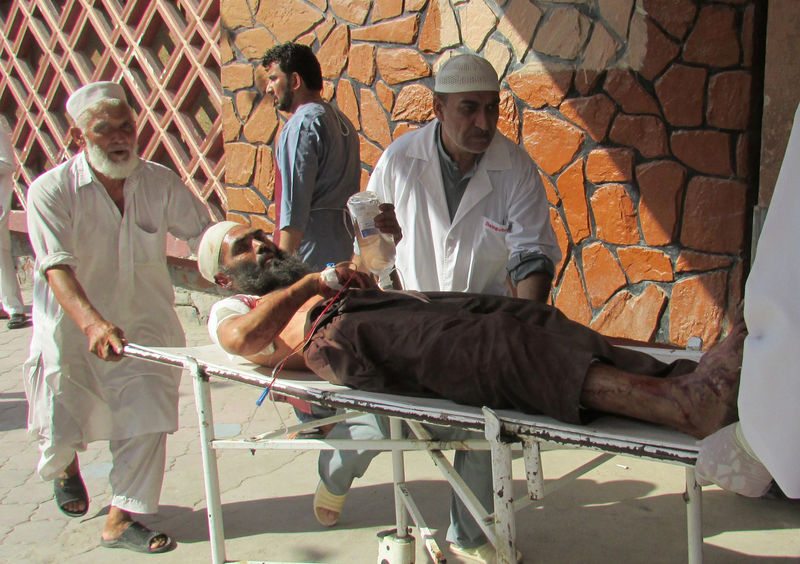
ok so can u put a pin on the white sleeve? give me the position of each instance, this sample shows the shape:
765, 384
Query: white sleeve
50, 208
529, 214
380, 181
231, 307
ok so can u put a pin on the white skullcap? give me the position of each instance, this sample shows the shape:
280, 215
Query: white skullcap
208, 250
86, 96
466, 73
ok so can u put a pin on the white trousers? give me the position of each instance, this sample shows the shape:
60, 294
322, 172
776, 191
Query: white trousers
10, 295
136, 475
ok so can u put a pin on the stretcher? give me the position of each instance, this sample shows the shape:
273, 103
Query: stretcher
503, 431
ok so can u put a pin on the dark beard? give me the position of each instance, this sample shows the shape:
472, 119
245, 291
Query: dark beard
285, 101
281, 272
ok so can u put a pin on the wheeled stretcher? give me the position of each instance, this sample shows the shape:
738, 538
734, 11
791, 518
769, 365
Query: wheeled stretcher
503, 430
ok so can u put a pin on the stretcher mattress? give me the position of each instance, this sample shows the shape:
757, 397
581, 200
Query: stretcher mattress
605, 433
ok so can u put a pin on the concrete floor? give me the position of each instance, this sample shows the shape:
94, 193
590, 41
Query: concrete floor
626, 510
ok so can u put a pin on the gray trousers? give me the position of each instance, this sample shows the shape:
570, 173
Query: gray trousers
338, 469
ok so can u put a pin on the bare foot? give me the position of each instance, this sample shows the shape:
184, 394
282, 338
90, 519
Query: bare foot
327, 517
708, 396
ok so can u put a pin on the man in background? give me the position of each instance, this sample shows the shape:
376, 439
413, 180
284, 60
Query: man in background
319, 168
319, 163
11, 306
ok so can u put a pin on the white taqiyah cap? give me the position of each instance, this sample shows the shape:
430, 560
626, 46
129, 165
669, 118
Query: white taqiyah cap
208, 250
86, 96
466, 73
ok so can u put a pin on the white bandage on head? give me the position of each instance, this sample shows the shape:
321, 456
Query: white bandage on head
87, 96
466, 73
210, 245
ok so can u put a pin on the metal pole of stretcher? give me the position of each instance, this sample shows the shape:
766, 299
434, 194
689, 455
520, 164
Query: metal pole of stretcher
503, 484
399, 474
205, 416
694, 517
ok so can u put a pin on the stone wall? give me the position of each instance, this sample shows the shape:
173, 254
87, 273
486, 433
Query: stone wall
641, 114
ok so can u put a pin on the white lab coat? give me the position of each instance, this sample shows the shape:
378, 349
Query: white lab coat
120, 260
504, 209
769, 393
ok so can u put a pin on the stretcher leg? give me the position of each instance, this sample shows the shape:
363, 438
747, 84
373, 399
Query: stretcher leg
503, 485
457, 483
533, 468
694, 517
399, 477
202, 394
425, 533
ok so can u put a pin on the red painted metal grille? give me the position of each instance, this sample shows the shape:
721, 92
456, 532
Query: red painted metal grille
165, 53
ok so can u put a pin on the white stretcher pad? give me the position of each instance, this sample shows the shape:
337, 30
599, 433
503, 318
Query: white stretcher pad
503, 429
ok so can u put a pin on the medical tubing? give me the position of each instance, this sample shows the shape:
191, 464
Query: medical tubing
280, 365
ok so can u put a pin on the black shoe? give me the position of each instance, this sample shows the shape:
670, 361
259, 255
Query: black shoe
18, 321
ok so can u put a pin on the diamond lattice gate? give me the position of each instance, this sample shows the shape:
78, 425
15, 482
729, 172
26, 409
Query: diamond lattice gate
166, 54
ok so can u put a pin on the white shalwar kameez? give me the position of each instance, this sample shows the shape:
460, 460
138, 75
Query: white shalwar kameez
120, 261
769, 392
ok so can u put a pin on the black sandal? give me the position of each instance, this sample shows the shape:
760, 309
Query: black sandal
68, 490
138, 538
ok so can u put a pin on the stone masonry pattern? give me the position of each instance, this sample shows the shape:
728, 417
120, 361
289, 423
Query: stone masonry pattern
637, 112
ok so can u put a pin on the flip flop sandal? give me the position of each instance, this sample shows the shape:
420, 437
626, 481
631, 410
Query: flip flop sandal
68, 490
138, 538
17, 321
323, 499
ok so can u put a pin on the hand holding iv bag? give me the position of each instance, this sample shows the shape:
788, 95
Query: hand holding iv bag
377, 249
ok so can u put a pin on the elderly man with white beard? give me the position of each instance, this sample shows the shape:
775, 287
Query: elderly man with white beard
98, 225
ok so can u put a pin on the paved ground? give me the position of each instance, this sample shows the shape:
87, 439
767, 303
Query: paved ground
626, 510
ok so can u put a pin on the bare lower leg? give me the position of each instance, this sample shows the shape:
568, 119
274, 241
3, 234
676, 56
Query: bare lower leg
698, 403
647, 398
69, 471
118, 520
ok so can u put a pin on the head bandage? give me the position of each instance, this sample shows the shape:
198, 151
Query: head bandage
87, 96
466, 73
210, 245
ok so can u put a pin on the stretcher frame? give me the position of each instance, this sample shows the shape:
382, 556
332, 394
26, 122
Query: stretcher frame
503, 430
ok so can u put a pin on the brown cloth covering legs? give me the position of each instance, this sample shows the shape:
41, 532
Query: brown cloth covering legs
470, 348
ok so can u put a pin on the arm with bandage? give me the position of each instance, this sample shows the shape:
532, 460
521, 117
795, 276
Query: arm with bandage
273, 329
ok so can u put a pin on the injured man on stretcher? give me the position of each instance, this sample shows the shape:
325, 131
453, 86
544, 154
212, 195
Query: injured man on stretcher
473, 349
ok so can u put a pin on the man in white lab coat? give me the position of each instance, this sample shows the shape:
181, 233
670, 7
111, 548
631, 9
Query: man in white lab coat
470, 201
475, 218
98, 225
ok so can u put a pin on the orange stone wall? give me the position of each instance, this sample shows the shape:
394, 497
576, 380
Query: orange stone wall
641, 114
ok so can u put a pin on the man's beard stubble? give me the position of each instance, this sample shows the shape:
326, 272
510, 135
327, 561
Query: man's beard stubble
284, 103
259, 279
